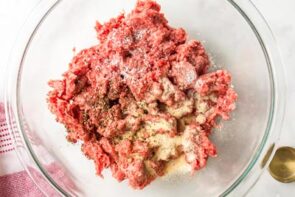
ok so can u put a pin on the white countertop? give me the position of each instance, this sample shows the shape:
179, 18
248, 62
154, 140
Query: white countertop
280, 15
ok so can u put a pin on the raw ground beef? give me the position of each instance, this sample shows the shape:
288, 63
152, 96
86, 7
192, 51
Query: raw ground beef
142, 97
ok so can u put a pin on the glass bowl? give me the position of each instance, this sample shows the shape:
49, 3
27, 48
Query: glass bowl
233, 32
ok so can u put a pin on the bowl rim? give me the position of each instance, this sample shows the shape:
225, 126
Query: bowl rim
247, 10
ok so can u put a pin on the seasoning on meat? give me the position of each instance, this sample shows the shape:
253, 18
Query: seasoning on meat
142, 99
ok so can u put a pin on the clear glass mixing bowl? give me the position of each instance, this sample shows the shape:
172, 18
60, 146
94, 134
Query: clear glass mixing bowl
233, 32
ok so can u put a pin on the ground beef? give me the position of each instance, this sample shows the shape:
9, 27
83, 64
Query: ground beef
142, 97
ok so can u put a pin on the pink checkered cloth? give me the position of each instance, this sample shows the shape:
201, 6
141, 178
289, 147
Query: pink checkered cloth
17, 184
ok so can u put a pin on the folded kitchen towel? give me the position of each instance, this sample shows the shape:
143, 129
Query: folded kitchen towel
14, 184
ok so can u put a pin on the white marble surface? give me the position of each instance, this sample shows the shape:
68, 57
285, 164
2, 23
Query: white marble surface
280, 15
281, 18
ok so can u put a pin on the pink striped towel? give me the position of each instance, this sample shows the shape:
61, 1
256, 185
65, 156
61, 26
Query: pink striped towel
17, 184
